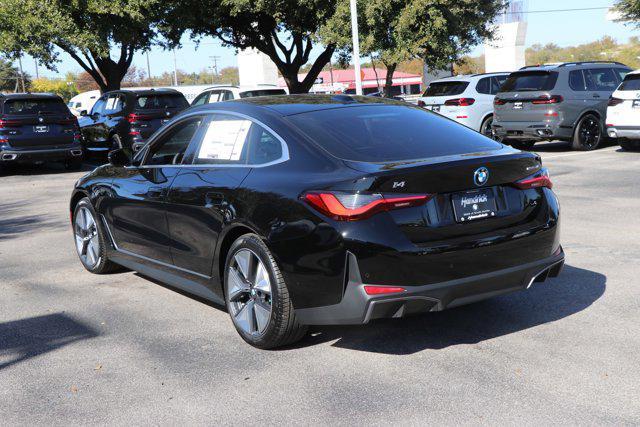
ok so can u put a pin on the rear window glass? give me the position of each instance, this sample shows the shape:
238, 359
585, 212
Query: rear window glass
34, 106
445, 88
631, 82
382, 134
530, 81
262, 92
151, 102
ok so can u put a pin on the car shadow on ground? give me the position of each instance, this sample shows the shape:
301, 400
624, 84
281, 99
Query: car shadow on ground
573, 291
27, 338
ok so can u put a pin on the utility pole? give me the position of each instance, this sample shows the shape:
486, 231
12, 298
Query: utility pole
175, 69
148, 66
36, 62
215, 66
356, 46
21, 72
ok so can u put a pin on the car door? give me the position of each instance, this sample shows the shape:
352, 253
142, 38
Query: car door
113, 117
203, 197
601, 83
137, 213
89, 124
215, 96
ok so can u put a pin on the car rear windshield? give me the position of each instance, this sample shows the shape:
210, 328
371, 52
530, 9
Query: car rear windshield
445, 88
631, 82
34, 106
529, 81
262, 92
388, 133
152, 102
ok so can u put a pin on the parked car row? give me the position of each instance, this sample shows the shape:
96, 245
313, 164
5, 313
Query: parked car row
566, 102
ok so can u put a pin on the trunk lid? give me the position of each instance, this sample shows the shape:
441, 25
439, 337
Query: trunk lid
520, 96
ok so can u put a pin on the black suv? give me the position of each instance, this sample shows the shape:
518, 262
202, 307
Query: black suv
126, 118
38, 128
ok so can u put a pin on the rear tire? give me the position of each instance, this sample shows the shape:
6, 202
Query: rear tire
588, 133
91, 240
116, 142
522, 145
257, 297
485, 127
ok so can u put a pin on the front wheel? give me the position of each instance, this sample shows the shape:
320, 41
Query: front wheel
90, 239
257, 297
587, 134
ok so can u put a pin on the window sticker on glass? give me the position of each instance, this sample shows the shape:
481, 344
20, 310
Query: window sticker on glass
224, 140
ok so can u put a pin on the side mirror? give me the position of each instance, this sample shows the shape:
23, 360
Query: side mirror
83, 113
120, 157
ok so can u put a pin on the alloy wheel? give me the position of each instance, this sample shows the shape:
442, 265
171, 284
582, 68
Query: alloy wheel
486, 128
249, 292
87, 240
589, 132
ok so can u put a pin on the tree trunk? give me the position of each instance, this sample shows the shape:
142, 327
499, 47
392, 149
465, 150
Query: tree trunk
388, 83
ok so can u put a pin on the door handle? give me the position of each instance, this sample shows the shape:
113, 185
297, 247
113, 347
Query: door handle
595, 95
155, 192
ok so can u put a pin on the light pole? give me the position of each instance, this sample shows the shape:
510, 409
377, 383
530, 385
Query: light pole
175, 69
356, 45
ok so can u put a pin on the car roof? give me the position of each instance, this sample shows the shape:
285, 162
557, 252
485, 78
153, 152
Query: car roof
145, 91
464, 77
558, 65
27, 95
634, 72
296, 104
244, 88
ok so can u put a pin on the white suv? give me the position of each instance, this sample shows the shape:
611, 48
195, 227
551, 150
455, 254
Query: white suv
623, 112
229, 93
467, 99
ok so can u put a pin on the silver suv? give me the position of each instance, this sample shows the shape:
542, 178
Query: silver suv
565, 102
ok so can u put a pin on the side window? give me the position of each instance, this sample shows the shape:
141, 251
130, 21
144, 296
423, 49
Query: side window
170, 148
496, 84
576, 80
601, 79
622, 72
227, 95
98, 107
263, 146
214, 96
201, 99
114, 104
225, 141
484, 86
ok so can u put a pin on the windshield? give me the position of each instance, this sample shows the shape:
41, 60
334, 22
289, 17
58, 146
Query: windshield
262, 92
529, 81
379, 133
152, 102
35, 106
631, 82
445, 88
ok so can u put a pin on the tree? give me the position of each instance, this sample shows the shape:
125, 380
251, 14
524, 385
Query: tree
10, 77
66, 89
284, 30
90, 31
438, 31
629, 11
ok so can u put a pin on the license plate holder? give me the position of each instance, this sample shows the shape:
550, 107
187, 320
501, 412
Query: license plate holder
474, 205
434, 108
518, 105
41, 129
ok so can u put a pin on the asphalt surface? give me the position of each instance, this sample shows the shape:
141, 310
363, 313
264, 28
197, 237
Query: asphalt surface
76, 348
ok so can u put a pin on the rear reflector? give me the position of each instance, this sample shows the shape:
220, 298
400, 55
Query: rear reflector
537, 180
354, 207
381, 290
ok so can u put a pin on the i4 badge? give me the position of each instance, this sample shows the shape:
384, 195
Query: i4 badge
481, 176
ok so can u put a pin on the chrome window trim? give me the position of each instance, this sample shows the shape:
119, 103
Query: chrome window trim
283, 144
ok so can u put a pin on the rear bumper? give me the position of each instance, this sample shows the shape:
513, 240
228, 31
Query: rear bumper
357, 307
44, 155
626, 132
537, 131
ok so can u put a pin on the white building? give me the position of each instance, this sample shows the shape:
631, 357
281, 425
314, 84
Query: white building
507, 51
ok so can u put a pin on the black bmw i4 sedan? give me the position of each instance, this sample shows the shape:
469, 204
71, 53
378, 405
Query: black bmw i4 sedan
314, 210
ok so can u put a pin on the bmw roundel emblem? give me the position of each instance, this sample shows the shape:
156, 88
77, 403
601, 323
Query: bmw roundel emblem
481, 176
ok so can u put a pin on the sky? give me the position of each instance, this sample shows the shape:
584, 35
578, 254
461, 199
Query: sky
561, 28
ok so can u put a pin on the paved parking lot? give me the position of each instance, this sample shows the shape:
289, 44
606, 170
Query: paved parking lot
119, 349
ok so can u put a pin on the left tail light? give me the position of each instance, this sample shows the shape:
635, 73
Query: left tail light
460, 102
613, 101
354, 207
537, 180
